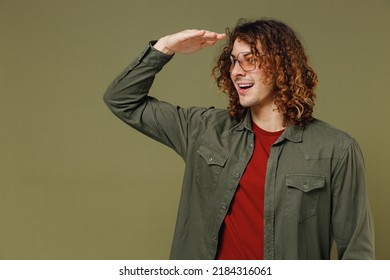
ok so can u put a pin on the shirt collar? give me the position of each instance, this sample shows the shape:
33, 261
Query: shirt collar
292, 133
244, 124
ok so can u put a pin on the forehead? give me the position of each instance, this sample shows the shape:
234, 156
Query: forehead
240, 45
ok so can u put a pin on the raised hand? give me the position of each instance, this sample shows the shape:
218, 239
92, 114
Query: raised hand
188, 41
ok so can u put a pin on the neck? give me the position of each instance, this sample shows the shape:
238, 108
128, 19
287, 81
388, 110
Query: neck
268, 119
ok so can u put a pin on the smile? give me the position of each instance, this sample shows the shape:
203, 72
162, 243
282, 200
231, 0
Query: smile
245, 86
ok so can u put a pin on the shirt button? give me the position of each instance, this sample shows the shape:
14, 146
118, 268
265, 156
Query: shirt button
211, 159
305, 187
236, 175
251, 146
223, 207
214, 237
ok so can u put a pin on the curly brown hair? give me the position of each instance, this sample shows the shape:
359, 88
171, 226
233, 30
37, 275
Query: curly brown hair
284, 63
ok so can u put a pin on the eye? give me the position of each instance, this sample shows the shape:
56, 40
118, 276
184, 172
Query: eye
252, 59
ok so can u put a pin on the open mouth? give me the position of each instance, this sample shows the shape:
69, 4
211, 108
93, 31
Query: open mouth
245, 86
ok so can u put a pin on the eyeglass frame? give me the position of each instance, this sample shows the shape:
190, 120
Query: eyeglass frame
234, 60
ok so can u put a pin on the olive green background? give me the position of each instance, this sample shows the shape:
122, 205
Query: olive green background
76, 183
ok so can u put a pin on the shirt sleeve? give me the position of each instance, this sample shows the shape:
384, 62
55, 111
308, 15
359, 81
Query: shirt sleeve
127, 97
352, 222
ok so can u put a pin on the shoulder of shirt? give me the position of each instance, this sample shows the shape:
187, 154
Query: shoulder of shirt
215, 115
321, 136
216, 118
318, 125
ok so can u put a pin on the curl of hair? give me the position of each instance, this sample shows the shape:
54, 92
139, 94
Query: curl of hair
284, 64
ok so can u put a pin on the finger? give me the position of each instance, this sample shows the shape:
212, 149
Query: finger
210, 34
209, 43
194, 33
221, 36
203, 35
213, 36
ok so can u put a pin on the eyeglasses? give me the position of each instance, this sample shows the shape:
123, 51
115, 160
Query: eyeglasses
247, 61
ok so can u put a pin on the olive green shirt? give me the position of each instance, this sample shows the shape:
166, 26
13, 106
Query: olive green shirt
315, 188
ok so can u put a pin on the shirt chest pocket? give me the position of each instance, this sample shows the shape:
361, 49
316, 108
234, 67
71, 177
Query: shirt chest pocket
209, 166
302, 193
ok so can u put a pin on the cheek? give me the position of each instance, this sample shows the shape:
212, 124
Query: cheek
232, 81
266, 79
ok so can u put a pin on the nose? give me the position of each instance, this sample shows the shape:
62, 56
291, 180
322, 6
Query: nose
236, 69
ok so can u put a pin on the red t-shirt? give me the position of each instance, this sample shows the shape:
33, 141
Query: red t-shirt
242, 234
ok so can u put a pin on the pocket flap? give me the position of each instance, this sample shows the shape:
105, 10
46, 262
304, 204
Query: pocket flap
212, 156
305, 182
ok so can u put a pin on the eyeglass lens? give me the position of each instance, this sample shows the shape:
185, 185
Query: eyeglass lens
247, 61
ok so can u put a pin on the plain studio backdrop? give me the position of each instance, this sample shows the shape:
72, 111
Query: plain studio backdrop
76, 183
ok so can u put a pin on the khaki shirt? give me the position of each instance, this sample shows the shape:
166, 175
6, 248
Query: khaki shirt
315, 188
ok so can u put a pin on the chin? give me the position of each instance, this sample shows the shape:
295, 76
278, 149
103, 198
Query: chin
246, 103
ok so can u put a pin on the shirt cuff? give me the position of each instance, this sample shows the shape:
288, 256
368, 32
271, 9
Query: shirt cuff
154, 56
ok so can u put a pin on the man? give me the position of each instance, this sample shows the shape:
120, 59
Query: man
263, 179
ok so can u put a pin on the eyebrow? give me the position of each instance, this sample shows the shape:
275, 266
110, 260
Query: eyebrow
258, 55
234, 56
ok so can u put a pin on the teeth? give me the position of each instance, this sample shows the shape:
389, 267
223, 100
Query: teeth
245, 85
